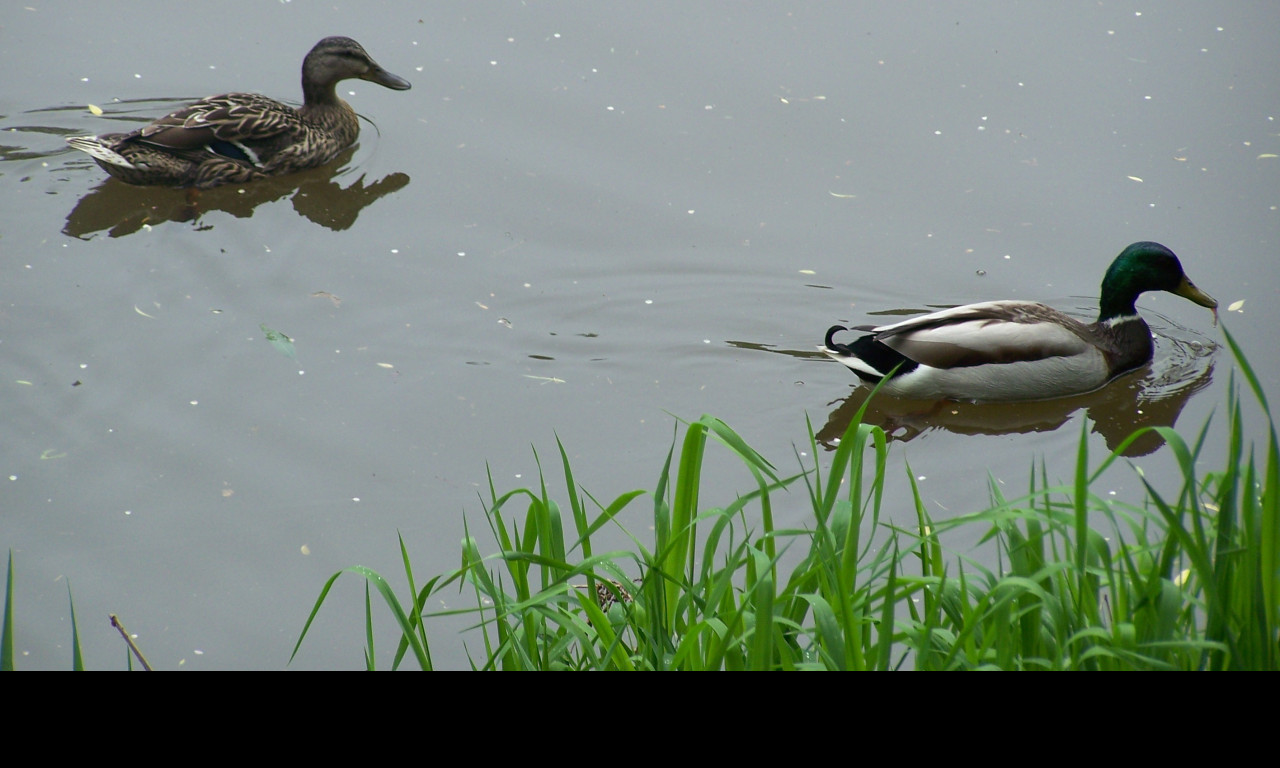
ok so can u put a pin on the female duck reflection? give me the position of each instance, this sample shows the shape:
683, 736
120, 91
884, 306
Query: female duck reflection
121, 209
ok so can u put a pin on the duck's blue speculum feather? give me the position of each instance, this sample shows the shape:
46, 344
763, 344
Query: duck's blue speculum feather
238, 137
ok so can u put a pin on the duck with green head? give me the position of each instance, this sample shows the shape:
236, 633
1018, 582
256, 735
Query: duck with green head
1019, 350
239, 137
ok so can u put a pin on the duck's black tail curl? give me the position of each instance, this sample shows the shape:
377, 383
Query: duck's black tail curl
829, 342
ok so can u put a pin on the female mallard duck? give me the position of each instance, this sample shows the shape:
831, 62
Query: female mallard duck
238, 137
1019, 350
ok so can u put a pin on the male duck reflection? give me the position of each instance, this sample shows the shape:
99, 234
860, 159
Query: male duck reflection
1019, 350
239, 137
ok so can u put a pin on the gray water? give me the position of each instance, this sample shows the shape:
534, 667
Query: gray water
584, 221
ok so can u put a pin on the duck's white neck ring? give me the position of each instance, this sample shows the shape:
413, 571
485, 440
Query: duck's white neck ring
1120, 320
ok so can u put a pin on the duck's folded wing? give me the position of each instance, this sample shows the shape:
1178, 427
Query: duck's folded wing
231, 117
986, 334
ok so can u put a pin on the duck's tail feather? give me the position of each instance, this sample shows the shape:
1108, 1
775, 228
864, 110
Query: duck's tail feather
96, 148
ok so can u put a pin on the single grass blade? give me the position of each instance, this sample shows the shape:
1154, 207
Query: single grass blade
6, 634
77, 653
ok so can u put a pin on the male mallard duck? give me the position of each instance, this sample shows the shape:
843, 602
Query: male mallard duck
1019, 350
238, 137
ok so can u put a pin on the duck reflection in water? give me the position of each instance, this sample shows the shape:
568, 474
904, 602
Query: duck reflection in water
121, 209
1144, 398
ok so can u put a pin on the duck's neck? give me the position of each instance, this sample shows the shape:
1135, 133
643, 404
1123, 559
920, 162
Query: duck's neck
1117, 304
319, 95
1129, 342
324, 109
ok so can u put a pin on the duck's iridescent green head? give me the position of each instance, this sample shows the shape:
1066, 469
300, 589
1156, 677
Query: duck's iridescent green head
1142, 267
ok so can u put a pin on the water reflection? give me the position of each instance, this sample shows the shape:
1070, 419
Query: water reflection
121, 209
1116, 411
1152, 396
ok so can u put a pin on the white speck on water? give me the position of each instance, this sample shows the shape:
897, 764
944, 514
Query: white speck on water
648, 301
195, 402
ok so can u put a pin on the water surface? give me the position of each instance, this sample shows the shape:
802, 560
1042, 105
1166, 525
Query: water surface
581, 221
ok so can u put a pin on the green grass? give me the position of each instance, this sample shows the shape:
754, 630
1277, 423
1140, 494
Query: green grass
1188, 579
7, 627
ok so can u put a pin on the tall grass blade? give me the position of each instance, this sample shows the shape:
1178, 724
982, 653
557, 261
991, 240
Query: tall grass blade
6, 633
370, 655
77, 653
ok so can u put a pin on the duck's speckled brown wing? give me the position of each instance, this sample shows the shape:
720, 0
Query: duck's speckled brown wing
232, 117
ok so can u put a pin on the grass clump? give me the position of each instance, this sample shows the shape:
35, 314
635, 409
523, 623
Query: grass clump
1187, 580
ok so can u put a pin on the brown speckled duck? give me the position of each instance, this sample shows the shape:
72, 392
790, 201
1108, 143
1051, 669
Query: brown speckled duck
1019, 350
239, 137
